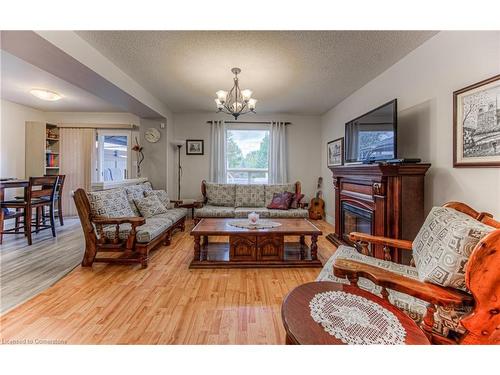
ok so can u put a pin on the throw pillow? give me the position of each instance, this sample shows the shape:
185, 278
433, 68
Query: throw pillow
276, 188
150, 206
110, 203
281, 201
296, 198
162, 196
135, 192
443, 246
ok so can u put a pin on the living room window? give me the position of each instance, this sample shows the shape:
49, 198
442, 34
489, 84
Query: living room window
247, 155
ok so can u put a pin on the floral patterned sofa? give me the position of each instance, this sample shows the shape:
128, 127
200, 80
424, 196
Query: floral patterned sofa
237, 201
131, 220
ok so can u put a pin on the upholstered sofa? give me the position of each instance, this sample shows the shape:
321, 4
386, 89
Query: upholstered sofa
125, 220
237, 201
449, 237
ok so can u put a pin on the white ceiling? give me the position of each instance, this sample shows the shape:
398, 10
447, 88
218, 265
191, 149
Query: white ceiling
296, 72
19, 77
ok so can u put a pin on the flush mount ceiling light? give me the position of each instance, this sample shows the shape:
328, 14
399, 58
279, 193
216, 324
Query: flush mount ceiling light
45, 94
237, 102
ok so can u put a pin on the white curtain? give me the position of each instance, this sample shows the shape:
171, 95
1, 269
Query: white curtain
77, 154
217, 152
278, 154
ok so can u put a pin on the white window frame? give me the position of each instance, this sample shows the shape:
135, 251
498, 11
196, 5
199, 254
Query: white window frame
250, 171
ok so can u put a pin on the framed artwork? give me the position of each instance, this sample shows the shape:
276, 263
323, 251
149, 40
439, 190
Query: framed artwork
194, 147
335, 152
476, 124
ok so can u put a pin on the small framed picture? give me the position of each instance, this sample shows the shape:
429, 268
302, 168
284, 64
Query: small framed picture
335, 152
476, 124
194, 147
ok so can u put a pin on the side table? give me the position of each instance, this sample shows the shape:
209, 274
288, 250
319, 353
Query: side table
189, 204
301, 328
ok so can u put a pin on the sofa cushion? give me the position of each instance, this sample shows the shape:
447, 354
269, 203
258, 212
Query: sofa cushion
150, 206
145, 233
296, 199
173, 214
443, 246
242, 212
220, 194
110, 203
415, 308
214, 211
277, 188
291, 213
250, 196
135, 192
161, 194
281, 201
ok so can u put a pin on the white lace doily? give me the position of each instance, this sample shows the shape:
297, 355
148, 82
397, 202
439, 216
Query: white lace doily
261, 224
356, 320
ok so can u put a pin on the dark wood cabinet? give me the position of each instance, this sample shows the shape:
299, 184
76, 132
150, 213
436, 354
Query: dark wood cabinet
379, 199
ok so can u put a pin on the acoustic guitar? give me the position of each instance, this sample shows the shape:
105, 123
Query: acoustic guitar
317, 205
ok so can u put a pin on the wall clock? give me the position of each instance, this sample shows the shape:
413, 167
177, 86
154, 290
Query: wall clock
152, 135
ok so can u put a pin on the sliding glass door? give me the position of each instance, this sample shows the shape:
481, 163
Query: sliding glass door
113, 155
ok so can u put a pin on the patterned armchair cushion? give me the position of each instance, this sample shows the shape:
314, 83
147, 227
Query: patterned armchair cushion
145, 233
277, 188
249, 196
110, 203
150, 206
445, 319
214, 211
161, 194
220, 194
443, 246
242, 212
291, 213
173, 214
136, 192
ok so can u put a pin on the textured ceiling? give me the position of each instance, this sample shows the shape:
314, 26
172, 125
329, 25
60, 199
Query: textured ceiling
296, 72
19, 77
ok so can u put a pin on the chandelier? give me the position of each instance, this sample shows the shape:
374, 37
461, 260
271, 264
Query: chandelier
237, 102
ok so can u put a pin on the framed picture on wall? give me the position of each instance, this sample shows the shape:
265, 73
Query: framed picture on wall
335, 152
476, 124
194, 147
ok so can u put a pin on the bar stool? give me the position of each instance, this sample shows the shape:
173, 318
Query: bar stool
41, 192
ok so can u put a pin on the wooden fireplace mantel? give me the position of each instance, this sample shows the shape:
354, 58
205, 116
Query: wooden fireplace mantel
392, 193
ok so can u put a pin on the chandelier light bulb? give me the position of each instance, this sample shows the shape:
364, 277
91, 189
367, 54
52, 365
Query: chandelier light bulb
246, 94
252, 103
221, 95
236, 107
219, 104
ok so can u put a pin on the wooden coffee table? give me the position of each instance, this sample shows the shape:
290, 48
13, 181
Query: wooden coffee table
301, 328
255, 247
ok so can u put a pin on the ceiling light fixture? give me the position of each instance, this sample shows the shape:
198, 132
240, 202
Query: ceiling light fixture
235, 102
45, 94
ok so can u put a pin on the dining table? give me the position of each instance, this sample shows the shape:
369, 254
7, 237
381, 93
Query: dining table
8, 183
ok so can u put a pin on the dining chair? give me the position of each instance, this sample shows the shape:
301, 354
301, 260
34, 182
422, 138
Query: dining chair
40, 193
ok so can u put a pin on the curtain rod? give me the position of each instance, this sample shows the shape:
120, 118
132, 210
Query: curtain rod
249, 122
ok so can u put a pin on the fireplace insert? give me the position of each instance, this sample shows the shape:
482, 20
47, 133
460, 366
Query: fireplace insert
355, 219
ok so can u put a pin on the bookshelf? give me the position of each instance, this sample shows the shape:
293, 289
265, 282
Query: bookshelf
42, 149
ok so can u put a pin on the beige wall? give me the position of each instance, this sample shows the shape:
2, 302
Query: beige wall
12, 137
423, 82
304, 138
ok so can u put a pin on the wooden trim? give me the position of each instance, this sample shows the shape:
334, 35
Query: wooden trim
456, 164
247, 122
98, 126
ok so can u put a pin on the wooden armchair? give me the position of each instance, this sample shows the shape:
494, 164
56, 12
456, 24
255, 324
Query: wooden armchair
482, 276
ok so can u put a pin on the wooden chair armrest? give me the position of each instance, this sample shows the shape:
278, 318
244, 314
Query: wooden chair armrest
379, 240
432, 293
134, 220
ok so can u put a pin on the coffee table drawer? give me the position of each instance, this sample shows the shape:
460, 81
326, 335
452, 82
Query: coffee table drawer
242, 248
270, 248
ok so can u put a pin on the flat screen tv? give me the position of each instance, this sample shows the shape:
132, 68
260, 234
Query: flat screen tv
372, 136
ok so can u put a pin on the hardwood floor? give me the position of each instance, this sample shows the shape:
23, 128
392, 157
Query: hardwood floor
167, 303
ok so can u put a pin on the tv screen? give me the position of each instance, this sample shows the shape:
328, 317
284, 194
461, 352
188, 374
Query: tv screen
372, 137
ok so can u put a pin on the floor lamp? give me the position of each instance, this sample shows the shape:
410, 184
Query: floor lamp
179, 145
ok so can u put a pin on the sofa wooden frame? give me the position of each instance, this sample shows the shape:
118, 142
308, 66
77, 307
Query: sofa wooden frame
131, 250
482, 277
